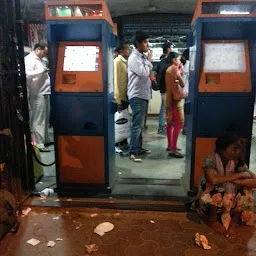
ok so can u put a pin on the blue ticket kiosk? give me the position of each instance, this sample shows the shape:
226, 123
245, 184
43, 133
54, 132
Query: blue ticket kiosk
81, 42
222, 79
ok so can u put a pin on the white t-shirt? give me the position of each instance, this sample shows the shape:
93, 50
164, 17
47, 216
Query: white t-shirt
38, 81
186, 76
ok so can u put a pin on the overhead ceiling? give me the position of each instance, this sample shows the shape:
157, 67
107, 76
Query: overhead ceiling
124, 7
34, 9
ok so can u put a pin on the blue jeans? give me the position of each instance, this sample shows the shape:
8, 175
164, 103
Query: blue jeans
139, 109
161, 118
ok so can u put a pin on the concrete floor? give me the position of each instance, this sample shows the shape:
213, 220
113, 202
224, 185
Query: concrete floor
158, 175
135, 234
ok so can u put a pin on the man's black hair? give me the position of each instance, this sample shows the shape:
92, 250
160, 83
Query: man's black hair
121, 47
166, 46
41, 46
140, 36
118, 49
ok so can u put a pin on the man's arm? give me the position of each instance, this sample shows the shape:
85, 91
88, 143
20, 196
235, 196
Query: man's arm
139, 66
116, 81
30, 71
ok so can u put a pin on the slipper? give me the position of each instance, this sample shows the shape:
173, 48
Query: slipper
176, 154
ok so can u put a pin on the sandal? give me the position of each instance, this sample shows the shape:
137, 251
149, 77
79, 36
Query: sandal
168, 149
176, 154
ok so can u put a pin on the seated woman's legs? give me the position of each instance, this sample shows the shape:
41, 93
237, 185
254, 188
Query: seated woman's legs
235, 217
212, 220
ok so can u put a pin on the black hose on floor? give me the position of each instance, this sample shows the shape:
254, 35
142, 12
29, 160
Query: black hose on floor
36, 158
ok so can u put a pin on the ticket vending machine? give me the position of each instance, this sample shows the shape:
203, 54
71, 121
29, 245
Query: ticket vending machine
81, 42
222, 79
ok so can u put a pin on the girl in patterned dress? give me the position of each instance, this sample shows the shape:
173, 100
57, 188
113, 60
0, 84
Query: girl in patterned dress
225, 195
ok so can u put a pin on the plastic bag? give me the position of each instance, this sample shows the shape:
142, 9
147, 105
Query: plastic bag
122, 125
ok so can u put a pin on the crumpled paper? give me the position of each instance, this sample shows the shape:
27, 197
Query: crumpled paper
103, 228
202, 241
91, 248
51, 244
33, 241
26, 212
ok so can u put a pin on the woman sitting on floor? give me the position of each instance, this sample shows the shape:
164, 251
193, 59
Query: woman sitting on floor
225, 196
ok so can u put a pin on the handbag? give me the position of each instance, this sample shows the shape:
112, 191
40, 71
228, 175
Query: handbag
122, 125
178, 92
154, 84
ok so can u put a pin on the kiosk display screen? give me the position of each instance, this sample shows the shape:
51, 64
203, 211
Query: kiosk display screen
81, 58
224, 57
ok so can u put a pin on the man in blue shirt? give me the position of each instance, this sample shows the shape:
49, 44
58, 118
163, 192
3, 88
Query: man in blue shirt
139, 91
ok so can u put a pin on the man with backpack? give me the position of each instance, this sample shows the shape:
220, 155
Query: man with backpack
160, 78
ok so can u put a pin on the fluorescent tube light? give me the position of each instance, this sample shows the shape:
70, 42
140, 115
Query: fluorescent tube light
232, 12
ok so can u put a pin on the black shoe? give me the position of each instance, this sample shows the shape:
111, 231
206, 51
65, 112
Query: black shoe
49, 143
144, 151
44, 150
168, 149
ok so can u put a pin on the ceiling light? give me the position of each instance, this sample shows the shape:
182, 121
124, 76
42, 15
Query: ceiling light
151, 8
232, 12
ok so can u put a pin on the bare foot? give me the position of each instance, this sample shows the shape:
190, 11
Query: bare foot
216, 225
231, 232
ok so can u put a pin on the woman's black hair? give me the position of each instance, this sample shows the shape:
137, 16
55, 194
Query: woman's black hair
224, 141
185, 56
171, 56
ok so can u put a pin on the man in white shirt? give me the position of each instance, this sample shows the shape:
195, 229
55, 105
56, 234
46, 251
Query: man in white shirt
38, 84
139, 92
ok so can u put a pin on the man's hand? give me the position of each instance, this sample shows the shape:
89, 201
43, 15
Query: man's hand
150, 55
7, 132
185, 95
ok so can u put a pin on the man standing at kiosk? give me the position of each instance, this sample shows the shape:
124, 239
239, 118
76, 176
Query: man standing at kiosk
38, 83
120, 83
139, 92
121, 77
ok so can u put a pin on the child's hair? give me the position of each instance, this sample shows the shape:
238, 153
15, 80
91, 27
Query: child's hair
185, 56
171, 56
224, 141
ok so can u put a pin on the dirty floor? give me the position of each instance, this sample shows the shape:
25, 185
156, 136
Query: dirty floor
135, 233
